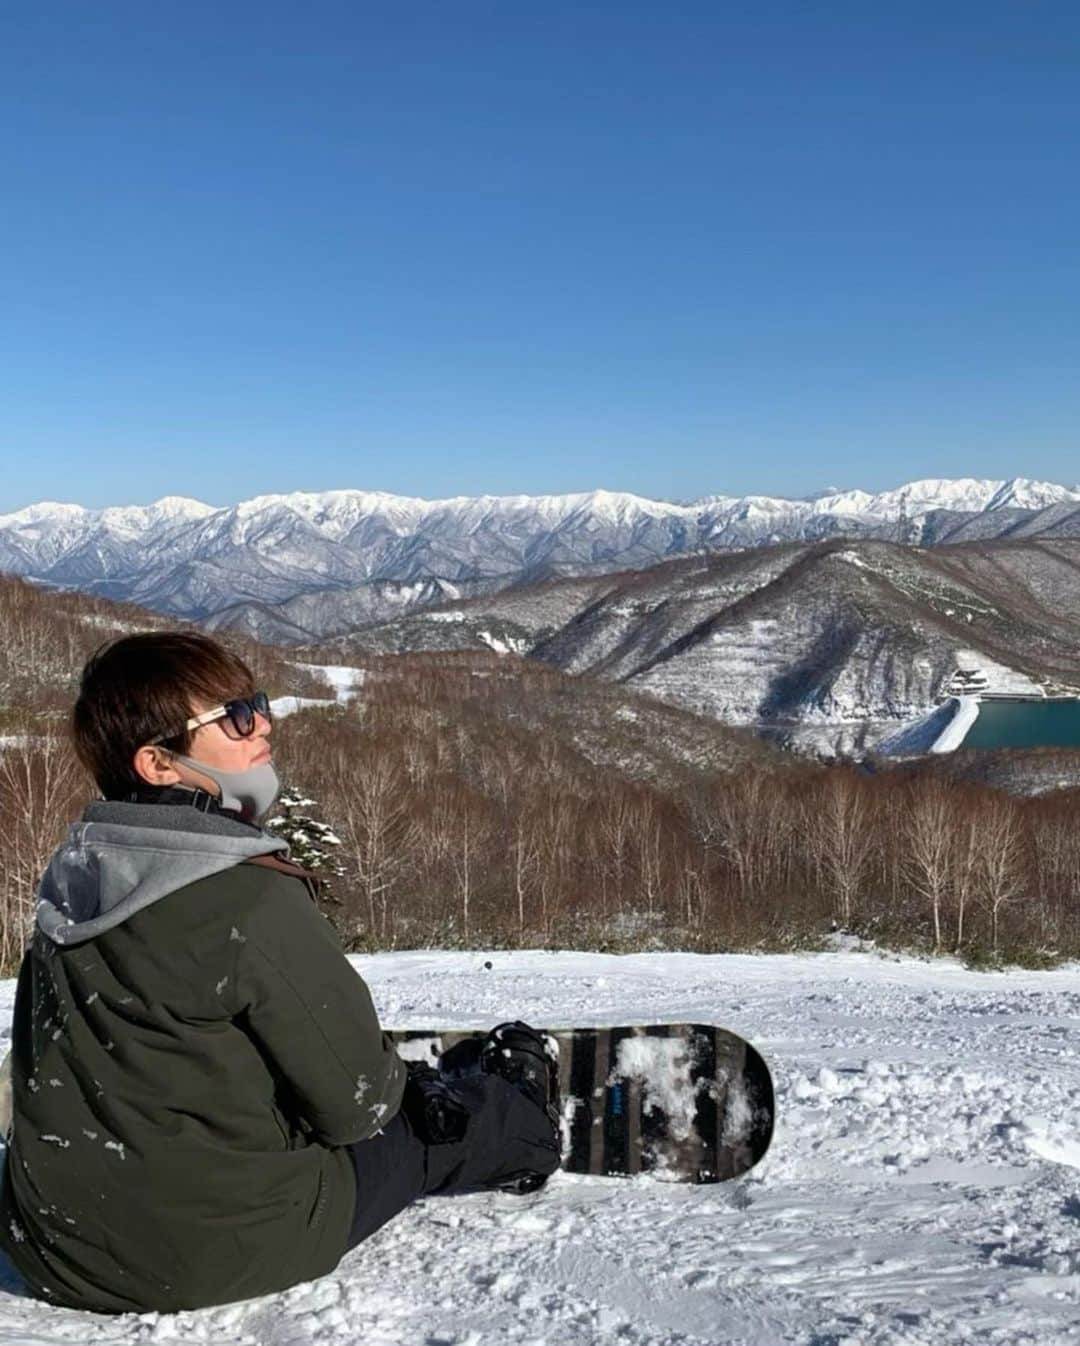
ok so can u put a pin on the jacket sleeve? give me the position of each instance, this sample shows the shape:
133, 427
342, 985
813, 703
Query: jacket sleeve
312, 1014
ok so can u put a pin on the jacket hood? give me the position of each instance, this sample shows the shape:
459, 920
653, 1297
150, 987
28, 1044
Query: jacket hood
121, 857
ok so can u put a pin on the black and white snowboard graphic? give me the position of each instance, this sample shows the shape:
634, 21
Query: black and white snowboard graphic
684, 1102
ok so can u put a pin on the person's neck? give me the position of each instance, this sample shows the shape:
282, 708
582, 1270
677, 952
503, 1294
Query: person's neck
176, 794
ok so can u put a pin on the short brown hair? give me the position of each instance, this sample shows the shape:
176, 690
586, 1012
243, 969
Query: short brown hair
143, 687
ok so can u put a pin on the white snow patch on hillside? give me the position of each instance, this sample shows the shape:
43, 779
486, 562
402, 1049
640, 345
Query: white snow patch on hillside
921, 1189
493, 642
1000, 678
96, 619
500, 646
289, 705
343, 678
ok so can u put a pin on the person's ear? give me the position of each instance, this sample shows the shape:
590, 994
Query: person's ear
155, 766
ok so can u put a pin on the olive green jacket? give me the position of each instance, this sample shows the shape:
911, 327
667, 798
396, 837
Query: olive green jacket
186, 1077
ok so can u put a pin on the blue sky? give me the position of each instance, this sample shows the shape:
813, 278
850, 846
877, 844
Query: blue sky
441, 249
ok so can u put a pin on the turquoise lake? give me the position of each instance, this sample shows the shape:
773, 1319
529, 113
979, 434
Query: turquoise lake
1026, 724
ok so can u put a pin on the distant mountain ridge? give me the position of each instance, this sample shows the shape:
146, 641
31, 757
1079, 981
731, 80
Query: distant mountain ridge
306, 565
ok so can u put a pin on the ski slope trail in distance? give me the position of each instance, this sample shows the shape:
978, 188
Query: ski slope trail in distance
923, 1184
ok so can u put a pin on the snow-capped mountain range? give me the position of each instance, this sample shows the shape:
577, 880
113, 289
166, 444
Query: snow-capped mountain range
311, 564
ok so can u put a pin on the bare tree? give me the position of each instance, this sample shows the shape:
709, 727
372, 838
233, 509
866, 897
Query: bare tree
1055, 853
749, 810
927, 840
965, 852
525, 860
554, 829
370, 810
615, 822
41, 788
648, 844
841, 834
463, 868
1002, 851
468, 856
690, 893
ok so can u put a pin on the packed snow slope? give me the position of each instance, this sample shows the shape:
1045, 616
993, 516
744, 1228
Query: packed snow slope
922, 1187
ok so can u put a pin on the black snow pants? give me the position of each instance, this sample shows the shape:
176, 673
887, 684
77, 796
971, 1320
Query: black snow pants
504, 1136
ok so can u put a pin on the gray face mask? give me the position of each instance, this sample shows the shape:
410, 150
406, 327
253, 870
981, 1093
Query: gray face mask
252, 792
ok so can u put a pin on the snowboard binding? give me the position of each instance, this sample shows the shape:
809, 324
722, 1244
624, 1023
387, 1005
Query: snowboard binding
529, 1061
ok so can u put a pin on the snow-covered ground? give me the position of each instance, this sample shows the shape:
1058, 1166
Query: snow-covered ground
923, 1186
345, 680
289, 705
1000, 679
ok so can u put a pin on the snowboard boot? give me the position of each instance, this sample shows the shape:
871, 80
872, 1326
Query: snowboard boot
437, 1114
528, 1060
462, 1059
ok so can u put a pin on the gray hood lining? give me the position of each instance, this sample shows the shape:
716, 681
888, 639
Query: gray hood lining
122, 857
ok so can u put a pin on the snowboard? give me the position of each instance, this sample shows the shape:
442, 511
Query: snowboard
683, 1102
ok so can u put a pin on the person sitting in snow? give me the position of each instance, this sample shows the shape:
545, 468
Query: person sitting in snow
205, 1108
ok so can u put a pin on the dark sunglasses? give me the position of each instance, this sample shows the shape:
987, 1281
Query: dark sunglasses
239, 713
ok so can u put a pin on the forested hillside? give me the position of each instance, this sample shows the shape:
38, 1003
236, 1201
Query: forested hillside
472, 799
